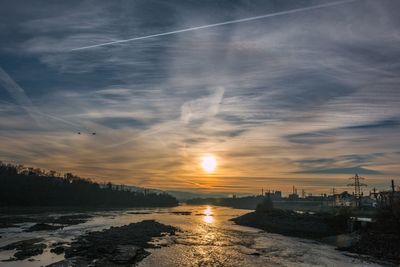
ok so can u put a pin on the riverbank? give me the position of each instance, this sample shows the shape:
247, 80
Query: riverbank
116, 246
206, 237
330, 229
382, 239
290, 223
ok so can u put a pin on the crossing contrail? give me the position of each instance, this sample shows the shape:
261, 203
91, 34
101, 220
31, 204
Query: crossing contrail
46, 115
19, 95
24, 101
281, 13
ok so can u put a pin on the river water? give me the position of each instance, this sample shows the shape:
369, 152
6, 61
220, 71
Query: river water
207, 238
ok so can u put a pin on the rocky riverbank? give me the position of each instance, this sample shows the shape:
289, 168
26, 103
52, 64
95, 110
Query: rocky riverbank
290, 223
380, 246
117, 246
381, 240
43, 222
25, 249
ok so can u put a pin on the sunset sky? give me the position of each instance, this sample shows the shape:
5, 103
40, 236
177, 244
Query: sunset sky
305, 98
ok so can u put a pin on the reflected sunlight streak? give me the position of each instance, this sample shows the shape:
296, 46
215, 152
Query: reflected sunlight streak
208, 218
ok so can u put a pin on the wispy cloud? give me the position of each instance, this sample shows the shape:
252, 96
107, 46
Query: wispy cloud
282, 13
296, 97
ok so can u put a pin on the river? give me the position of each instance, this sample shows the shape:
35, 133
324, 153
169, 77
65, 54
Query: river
207, 238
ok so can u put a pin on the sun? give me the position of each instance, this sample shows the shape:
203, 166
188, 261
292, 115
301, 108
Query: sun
208, 163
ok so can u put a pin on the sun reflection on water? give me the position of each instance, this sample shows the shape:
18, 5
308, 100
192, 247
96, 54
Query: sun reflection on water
208, 215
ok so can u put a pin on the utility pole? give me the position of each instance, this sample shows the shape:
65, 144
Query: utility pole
392, 194
357, 188
333, 197
374, 192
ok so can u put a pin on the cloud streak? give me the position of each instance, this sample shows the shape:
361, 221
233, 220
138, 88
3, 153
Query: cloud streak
23, 101
277, 103
19, 95
276, 14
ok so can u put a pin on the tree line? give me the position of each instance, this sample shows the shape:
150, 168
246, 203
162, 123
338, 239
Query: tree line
26, 186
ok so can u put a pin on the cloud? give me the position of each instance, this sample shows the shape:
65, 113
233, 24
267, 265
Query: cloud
269, 98
350, 170
202, 108
121, 122
389, 123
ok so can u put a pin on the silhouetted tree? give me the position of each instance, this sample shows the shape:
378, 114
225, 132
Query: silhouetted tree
265, 206
21, 186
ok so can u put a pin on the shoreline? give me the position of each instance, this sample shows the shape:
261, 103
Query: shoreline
281, 223
114, 246
11, 210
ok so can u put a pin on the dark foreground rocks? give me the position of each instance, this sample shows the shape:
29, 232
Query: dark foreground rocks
117, 246
43, 227
25, 248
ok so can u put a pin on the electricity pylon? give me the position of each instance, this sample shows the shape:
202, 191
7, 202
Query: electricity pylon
357, 188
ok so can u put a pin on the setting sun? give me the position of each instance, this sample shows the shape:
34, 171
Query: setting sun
208, 163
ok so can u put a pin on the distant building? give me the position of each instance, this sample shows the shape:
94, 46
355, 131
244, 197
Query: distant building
293, 196
368, 202
315, 198
274, 195
345, 200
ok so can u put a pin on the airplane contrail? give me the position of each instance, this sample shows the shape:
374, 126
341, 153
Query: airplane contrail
24, 101
281, 13
18, 94
77, 126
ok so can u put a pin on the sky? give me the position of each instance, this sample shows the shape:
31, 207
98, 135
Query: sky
306, 96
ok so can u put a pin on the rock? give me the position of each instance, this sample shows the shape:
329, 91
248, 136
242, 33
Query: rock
21, 244
72, 219
76, 262
255, 254
26, 248
28, 252
127, 254
9, 259
182, 212
58, 250
117, 245
289, 223
43, 227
